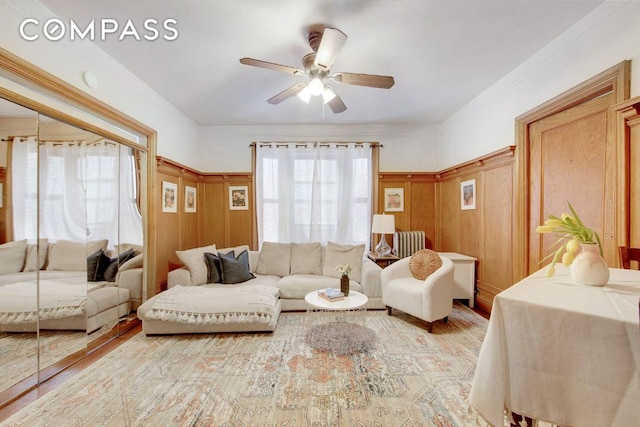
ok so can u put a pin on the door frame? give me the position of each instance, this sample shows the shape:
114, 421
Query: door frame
615, 80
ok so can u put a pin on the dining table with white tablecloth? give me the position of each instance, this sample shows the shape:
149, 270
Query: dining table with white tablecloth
563, 353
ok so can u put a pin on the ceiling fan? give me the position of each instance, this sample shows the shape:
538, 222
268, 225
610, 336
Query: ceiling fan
326, 43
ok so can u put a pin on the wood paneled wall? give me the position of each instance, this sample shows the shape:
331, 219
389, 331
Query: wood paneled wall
631, 112
419, 203
212, 223
484, 233
432, 203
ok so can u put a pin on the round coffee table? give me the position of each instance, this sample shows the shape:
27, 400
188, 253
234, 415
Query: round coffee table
339, 337
353, 301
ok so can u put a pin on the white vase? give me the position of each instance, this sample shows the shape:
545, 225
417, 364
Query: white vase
589, 268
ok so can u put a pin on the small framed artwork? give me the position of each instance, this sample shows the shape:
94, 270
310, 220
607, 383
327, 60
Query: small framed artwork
238, 197
169, 197
189, 199
394, 199
468, 194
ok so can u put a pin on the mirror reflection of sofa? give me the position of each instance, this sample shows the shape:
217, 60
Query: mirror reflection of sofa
79, 286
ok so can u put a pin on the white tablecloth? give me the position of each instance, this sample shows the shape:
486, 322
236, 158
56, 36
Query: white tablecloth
563, 353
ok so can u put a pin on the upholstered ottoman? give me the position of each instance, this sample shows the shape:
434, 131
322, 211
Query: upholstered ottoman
211, 309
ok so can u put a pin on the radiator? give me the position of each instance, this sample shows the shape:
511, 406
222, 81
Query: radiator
406, 243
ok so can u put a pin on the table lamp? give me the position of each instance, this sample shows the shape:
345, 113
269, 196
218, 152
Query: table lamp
383, 224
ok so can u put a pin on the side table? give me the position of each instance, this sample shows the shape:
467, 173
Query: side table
382, 261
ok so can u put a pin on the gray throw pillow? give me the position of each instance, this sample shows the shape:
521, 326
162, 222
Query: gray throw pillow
235, 269
92, 265
111, 270
214, 268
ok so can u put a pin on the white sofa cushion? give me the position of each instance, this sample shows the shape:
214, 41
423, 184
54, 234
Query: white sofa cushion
306, 258
274, 259
12, 256
343, 254
36, 255
194, 260
68, 255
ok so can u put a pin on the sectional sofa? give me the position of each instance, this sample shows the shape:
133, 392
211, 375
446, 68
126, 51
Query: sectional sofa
52, 282
242, 290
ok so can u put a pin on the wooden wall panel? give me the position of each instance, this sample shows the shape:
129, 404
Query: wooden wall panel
168, 232
212, 223
631, 112
419, 203
494, 273
213, 214
485, 232
188, 220
449, 214
470, 226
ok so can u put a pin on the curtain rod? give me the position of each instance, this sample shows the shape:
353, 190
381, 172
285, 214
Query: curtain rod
18, 136
315, 144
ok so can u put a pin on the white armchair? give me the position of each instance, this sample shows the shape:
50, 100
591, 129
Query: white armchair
430, 299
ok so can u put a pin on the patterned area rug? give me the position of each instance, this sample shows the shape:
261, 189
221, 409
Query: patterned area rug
406, 377
19, 356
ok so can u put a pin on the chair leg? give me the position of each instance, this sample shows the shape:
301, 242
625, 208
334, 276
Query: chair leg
388, 310
446, 319
429, 327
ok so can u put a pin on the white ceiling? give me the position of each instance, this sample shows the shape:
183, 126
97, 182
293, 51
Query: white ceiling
442, 53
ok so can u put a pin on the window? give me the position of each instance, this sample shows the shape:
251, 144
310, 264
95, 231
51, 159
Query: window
88, 191
313, 192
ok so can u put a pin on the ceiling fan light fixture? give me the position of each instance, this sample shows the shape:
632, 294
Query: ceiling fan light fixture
305, 94
316, 86
328, 94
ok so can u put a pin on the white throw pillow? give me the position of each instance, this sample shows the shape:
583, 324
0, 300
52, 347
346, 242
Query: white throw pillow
194, 260
274, 259
36, 257
12, 256
306, 258
343, 254
68, 255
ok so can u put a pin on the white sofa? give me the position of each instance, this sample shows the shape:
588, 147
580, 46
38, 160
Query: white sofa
293, 270
68, 299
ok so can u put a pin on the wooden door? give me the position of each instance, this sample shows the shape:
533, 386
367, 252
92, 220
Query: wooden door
572, 159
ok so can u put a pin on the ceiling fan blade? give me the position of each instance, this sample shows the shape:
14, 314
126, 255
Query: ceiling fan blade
370, 80
336, 105
293, 90
271, 66
330, 45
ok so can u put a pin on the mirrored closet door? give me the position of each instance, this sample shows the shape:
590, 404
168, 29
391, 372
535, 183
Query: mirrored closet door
18, 275
71, 242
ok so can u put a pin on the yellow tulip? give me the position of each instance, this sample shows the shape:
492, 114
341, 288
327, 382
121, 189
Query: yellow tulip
573, 246
553, 223
544, 229
551, 271
567, 259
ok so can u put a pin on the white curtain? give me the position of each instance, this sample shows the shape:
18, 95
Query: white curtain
24, 188
86, 192
313, 192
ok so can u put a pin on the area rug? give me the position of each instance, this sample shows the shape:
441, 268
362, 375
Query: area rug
19, 352
407, 377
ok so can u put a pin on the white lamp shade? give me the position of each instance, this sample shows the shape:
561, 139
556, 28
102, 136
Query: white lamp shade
383, 224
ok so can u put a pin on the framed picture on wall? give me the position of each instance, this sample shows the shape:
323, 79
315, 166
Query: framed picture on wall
394, 199
189, 199
169, 197
468, 194
238, 197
